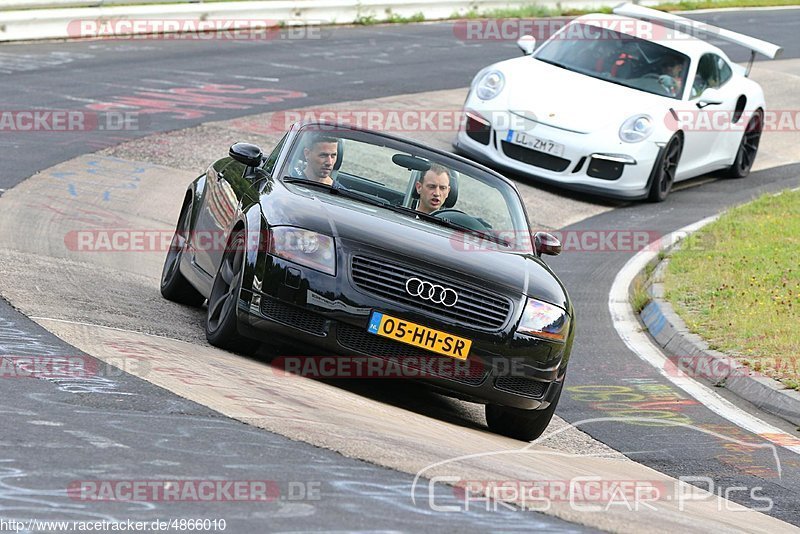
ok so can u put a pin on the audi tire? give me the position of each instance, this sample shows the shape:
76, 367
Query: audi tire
525, 425
221, 320
174, 285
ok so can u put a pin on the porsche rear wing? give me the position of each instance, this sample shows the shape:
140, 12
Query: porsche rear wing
693, 27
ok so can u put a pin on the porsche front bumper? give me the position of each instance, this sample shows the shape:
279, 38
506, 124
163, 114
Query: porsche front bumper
597, 162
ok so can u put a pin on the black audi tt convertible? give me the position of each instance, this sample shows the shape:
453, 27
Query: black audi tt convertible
358, 244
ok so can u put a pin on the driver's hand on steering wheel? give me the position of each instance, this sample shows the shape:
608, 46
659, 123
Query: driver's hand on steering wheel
669, 83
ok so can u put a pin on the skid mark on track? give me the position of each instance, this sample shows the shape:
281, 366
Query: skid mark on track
196, 102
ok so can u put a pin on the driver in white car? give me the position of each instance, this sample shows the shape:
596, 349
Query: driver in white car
672, 77
433, 189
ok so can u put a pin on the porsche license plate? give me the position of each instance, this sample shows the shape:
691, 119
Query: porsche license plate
535, 143
419, 336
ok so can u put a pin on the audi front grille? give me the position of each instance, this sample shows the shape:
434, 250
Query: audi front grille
474, 308
359, 341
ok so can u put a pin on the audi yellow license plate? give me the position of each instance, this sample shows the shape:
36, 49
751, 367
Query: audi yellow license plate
419, 336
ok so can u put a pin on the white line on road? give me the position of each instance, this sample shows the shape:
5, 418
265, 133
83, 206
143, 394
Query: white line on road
307, 69
79, 99
639, 343
257, 78
193, 72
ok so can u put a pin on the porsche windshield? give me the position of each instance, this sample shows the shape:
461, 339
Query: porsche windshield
408, 179
618, 58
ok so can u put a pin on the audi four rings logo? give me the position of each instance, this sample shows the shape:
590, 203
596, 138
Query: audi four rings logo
433, 292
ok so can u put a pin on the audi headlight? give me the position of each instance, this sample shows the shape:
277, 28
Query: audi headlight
305, 247
490, 84
636, 128
544, 320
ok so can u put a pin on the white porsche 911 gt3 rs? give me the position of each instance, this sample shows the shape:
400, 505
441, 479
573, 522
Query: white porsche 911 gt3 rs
622, 105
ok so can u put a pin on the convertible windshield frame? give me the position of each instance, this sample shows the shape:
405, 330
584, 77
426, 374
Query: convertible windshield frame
338, 189
515, 206
356, 195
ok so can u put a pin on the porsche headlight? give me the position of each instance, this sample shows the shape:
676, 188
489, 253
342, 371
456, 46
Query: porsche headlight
540, 319
305, 247
490, 84
636, 128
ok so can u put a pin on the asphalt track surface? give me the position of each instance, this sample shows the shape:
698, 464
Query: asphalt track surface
398, 60
344, 64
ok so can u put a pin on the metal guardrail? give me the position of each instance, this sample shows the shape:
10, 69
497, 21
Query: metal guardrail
41, 21
9, 5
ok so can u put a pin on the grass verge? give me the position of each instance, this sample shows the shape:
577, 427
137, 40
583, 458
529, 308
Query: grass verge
736, 283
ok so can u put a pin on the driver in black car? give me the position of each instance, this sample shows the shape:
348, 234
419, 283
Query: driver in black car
320, 155
433, 188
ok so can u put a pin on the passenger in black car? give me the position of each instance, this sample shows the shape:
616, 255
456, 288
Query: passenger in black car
433, 189
320, 156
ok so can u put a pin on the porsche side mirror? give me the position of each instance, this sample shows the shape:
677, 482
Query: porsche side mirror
710, 97
527, 44
246, 153
545, 243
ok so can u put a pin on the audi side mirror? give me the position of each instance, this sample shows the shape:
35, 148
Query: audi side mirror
246, 153
545, 243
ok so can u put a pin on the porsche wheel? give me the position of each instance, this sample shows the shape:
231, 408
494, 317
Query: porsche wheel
221, 330
525, 425
748, 147
664, 170
174, 285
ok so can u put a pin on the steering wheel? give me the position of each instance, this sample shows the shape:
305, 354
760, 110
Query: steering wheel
666, 81
460, 218
444, 211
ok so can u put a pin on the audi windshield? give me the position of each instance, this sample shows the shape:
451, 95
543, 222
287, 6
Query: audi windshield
427, 186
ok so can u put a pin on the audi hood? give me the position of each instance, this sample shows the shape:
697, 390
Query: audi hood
371, 229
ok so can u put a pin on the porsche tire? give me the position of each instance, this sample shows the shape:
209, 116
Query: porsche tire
748, 147
663, 175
